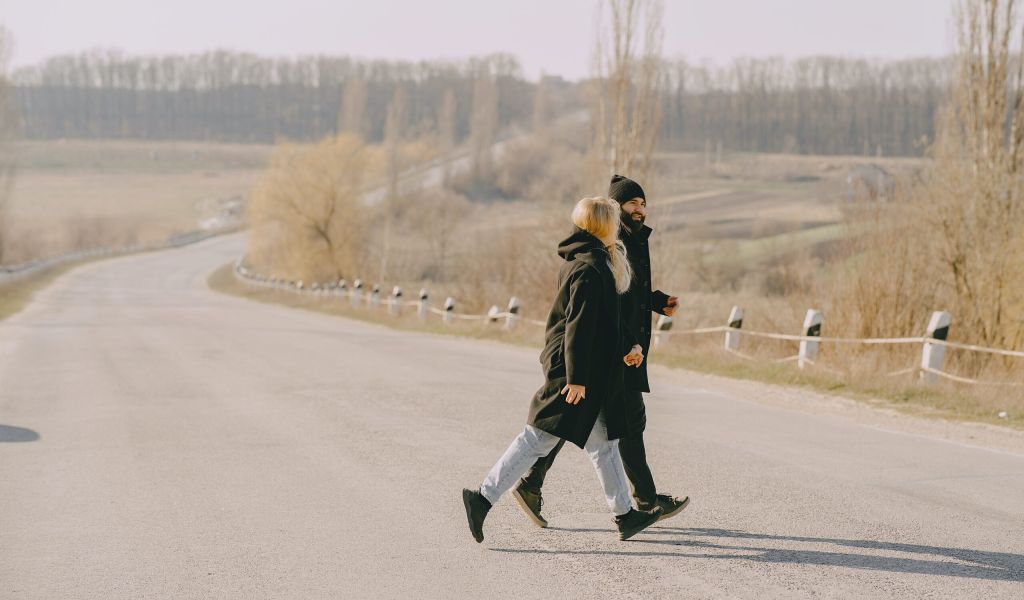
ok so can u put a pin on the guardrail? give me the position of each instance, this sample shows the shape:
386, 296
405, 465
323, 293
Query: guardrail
357, 295
933, 342
15, 272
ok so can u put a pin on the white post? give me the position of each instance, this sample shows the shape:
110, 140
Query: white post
808, 348
449, 309
357, 292
732, 338
932, 354
423, 308
375, 296
342, 287
492, 314
513, 314
298, 285
664, 324
396, 301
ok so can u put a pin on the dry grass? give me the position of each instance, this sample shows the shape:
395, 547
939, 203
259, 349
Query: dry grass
77, 194
697, 353
15, 295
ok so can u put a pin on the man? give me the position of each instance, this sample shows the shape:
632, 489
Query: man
637, 305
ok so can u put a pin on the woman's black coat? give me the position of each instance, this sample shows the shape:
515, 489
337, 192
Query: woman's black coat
584, 345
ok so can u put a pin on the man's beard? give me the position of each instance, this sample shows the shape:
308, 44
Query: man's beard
631, 224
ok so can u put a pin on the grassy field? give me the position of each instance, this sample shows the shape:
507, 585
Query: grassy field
72, 194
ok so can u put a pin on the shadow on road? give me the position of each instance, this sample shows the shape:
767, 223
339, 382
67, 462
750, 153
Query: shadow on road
997, 566
9, 433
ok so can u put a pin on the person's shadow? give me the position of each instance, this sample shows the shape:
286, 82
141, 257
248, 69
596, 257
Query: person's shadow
926, 560
10, 433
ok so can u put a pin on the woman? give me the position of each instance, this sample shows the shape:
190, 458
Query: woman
583, 358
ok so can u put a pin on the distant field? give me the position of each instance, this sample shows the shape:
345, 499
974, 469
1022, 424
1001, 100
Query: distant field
86, 193
752, 207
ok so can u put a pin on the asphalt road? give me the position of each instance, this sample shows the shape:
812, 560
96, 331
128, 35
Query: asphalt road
160, 440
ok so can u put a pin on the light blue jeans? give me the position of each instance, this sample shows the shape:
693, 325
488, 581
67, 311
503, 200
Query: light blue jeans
533, 444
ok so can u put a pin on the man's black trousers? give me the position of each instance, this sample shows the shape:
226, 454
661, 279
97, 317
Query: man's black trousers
631, 448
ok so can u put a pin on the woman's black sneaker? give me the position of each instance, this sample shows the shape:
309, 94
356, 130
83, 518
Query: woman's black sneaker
671, 506
636, 521
531, 502
476, 511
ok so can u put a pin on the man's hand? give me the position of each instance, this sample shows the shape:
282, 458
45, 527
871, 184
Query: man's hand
574, 393
671, 306
635, 356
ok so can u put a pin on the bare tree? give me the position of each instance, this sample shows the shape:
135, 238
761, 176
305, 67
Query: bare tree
394, 131
627, 81
541, 107
305, 213
955, 240
483, 129
976, 182
8, 130
437, 215
446, 121
352, 117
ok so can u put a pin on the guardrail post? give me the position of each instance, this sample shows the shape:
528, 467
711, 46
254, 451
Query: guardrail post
492, 314
357, 292
513, 314
664, 324
932, 354
449, 310
732, 338
375, 296
396, 301
342, 287
423, 308
299, 285
808, 348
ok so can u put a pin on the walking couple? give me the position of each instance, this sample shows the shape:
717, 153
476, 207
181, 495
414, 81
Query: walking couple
598, 331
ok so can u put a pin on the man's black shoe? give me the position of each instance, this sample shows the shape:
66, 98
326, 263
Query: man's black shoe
636, 521
671, 506
531, 502
476, 511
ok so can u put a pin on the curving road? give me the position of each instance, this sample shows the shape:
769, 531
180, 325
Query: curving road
159, 440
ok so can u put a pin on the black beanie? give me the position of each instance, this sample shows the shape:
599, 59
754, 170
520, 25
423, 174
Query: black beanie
624, 189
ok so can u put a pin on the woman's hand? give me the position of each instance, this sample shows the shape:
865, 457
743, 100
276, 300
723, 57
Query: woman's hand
574, 393
635, 356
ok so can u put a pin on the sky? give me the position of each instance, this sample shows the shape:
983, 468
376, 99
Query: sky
550, 36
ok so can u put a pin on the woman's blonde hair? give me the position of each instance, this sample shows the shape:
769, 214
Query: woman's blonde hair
600, 217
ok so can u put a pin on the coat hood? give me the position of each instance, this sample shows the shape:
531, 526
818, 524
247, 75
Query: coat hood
580, 241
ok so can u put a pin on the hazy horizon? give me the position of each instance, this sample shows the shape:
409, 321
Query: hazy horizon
553, 38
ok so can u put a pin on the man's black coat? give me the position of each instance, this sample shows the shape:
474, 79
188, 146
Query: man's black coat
584, 345
639, 301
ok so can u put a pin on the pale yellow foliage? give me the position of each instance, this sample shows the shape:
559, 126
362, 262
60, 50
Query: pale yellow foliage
306, 217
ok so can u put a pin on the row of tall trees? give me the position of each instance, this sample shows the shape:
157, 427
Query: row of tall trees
244, 97
821, 105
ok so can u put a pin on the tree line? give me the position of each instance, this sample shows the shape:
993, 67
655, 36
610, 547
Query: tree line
243, 97
821, 105
818, 105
